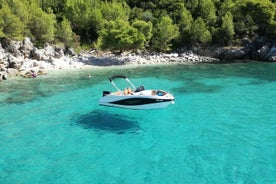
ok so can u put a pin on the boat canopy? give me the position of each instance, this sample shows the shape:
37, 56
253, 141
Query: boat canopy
116, 76
122, 77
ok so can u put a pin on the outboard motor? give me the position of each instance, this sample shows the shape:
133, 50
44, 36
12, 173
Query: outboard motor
106, 93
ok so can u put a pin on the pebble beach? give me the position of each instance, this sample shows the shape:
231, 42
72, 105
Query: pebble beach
21, 58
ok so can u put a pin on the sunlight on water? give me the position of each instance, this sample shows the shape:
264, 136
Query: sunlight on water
220, 130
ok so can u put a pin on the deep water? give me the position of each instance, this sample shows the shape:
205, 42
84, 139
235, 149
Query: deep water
221, 129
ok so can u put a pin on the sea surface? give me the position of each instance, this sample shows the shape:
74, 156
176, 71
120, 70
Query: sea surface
221, 129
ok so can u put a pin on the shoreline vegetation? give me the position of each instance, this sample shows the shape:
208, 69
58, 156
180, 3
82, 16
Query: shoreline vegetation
22, 58
36, 36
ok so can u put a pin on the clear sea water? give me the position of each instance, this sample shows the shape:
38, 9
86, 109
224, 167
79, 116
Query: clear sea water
221, 129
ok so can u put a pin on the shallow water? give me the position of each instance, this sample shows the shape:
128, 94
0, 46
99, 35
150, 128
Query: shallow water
222, 128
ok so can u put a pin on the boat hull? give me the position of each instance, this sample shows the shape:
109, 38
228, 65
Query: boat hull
139, 107
137, 101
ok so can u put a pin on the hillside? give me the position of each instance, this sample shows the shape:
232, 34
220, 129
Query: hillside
121, 25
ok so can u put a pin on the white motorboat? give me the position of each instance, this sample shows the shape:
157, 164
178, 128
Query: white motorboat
135, 98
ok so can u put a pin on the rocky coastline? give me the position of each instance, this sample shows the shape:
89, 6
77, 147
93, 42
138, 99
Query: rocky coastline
22, 58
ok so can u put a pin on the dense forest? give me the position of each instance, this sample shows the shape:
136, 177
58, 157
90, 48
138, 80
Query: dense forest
159, 25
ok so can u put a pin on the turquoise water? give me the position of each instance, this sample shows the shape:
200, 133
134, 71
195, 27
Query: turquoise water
222, 128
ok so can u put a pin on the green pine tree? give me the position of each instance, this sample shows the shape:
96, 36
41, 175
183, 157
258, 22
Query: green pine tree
199, 32
42, 26
163, 33
227, 28
145, 28
10, 25
119, 36
65, 34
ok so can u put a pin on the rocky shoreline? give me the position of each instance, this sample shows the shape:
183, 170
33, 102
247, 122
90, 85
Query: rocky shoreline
21, 58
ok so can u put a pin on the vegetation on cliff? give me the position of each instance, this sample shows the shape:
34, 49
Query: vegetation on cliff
159, 25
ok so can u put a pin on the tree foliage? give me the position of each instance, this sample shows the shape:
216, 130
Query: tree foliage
227, 28
145, 28
115, 10
164, 32
207, 11
119, 35
65, 34
42, 26
10, 24
85, 17
199, 32
253, 17
137, 24
185, 25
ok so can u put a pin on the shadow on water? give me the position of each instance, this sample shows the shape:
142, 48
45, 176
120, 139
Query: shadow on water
105, 121
198, 87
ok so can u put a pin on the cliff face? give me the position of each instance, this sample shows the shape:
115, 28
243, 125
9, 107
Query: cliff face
259, 50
